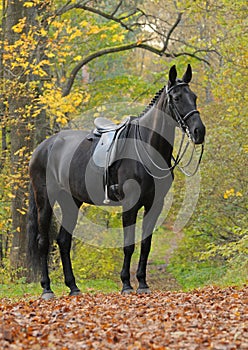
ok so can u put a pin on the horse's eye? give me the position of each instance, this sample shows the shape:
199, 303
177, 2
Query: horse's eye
176, 98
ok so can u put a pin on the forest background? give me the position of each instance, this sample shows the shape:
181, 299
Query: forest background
63, 63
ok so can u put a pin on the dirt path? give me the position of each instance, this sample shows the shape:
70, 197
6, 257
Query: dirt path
158, 276
210, 318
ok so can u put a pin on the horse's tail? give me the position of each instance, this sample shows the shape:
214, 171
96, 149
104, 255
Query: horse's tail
32, 237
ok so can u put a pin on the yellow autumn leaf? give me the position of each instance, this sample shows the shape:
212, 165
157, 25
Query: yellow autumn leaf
62, 120
118, 37
58, 24
44, 62
18, 28
84, 23
50, 55
43, 32
121, 38
21, 211
77, 33
94, 30
77, 58
114, 26
28, 4
239, 194
39, 71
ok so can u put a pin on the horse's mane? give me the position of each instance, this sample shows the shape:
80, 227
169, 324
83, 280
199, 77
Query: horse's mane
152, 103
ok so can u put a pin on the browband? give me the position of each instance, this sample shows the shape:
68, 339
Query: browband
174, 86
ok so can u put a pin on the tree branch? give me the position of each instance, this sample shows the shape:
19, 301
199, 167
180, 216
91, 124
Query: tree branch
114, 49
100, 53
157, 19
117, 8
179, 17
112, 17
193, 55
143, 44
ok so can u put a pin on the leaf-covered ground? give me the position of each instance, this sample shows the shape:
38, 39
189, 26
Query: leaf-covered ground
209, 318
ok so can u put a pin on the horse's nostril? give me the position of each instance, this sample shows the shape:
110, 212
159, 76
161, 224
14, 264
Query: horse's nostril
196, 132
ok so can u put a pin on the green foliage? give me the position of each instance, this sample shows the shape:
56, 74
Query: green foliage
235, 252
96, 263
193, 265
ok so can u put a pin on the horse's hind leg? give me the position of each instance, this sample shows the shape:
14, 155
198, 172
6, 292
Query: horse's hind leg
64, 242
44, 219
69, 210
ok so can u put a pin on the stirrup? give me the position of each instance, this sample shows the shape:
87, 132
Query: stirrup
106, 199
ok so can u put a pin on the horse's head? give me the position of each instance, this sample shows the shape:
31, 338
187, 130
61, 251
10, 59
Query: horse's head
182, 105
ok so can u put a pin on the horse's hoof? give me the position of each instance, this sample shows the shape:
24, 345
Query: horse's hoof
74, 293
47, 295
143, 291
126, 291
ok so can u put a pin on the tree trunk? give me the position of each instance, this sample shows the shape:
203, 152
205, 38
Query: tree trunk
17, 101
22, 137
2, 112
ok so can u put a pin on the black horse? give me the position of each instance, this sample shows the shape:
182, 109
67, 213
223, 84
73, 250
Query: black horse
62, 170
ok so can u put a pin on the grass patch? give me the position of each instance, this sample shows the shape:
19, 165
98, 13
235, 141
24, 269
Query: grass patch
20, 290
195, 275
199, 274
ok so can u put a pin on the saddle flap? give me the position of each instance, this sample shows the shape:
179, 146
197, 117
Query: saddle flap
109, 143
100, 155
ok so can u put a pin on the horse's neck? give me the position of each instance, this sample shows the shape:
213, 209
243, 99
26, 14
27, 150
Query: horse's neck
159, 125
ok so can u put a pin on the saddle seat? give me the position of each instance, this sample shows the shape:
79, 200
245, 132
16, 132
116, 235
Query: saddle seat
105, 125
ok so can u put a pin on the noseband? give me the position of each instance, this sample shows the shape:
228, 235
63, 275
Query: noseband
175, 112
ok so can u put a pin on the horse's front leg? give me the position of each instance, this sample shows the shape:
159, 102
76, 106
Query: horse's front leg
128, 220
150, 218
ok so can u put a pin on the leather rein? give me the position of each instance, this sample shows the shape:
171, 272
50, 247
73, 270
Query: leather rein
181, 152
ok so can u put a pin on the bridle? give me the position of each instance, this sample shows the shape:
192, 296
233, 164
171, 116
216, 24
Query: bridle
174, 110
181, 121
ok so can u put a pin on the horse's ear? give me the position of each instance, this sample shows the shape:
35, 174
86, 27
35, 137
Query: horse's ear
172, 76
188, 74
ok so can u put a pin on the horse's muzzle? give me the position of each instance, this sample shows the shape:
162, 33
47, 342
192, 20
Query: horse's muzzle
199, 135
197, 130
